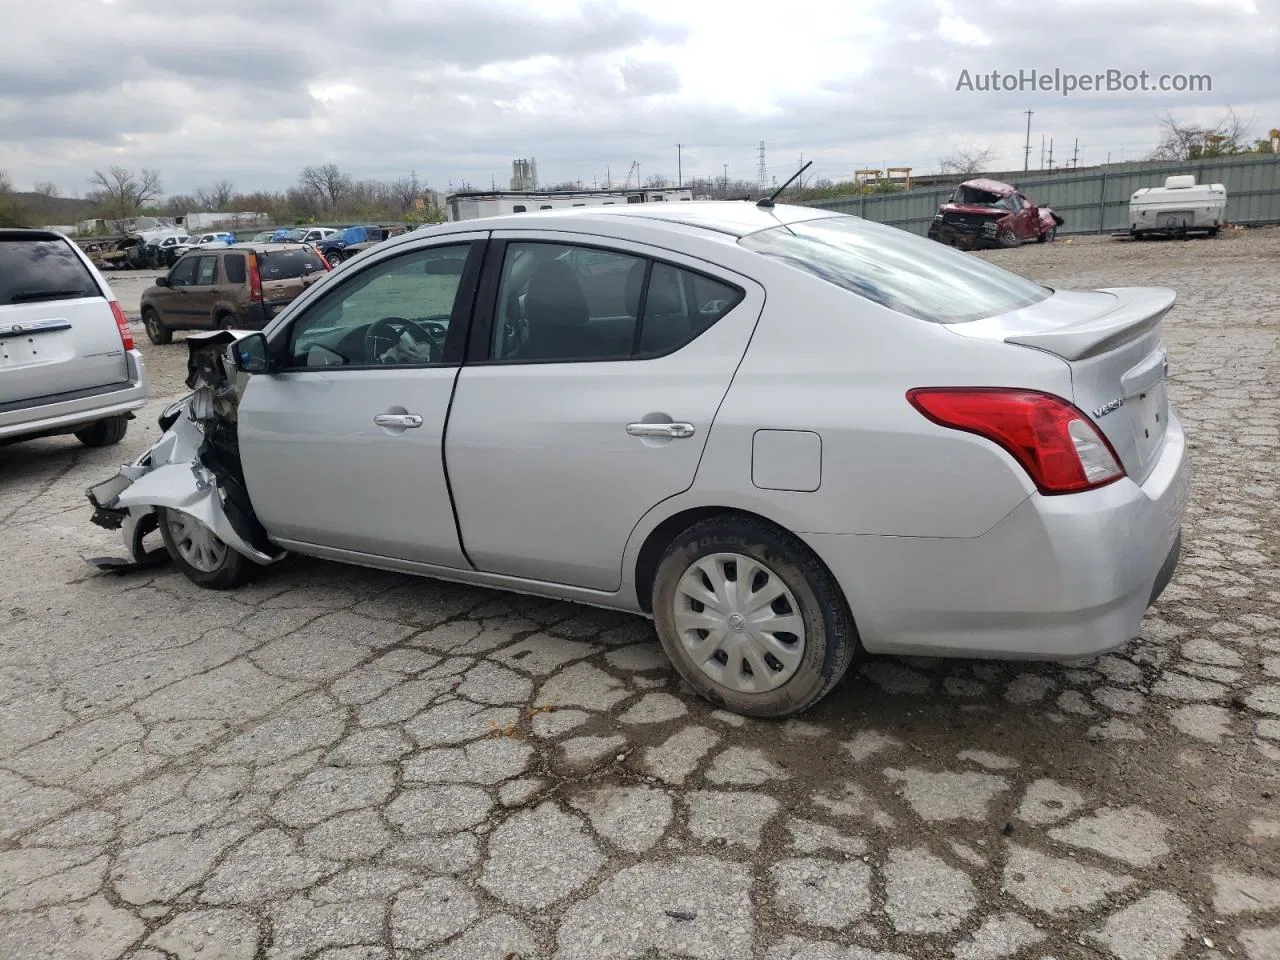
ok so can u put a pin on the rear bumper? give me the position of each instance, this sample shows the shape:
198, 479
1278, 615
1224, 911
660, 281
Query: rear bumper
65, 413
1057, 579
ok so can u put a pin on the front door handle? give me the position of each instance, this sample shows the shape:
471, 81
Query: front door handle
402, 421
675, 431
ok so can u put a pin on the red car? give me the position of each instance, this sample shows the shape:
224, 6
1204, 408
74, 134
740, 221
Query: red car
988, 213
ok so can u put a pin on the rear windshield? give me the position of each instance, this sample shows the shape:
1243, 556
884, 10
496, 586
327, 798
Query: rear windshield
35, 270
287, 264
904, 272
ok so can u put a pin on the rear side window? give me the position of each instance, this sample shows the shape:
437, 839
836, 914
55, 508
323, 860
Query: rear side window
233, 266
287, 264
899, 270
679, 305
35, 270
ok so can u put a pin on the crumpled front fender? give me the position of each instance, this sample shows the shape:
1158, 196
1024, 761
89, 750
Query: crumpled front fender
191, 489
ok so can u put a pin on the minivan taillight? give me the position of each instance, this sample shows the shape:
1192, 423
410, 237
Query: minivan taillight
1053, 440
255, 279
122, 325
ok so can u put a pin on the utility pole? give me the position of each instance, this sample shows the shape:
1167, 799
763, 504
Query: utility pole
1026, 151
724, 183
679, 165
1042, 151
1075, 154
762, 171
1051, 154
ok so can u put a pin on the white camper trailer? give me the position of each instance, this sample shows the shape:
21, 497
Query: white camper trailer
1179, 207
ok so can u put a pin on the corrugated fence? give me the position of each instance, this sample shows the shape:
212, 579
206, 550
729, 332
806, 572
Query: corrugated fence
1093, 201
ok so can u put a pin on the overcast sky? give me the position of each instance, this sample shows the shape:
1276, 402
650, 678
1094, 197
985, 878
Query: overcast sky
252, 90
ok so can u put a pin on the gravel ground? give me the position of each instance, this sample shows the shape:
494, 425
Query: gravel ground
352, 765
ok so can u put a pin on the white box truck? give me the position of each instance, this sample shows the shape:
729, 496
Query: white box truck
1178, 208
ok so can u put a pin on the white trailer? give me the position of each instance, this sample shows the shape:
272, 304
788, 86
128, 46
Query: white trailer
471, 206
1179, 207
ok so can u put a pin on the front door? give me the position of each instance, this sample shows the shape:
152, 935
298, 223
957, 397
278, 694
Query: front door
598, 372
202, 293
341, 446
174, 300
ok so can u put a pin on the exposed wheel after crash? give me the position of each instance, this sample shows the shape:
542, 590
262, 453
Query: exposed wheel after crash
790, 437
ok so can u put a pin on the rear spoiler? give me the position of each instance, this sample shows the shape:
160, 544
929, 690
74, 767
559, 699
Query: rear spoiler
1137, 310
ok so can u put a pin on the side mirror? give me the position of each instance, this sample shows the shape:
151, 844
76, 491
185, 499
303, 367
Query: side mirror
252, 355
162, 281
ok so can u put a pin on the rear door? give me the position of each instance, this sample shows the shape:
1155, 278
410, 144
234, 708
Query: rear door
57, 332
596, 373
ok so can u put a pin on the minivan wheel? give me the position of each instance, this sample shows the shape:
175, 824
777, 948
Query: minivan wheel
751, 619
103, 433
200, 554
157, 332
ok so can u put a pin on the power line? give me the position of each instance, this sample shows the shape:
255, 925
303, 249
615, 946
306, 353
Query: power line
762, 171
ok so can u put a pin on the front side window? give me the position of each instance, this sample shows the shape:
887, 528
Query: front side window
207, 271
183, 273
896, 269
393, 313
570, 303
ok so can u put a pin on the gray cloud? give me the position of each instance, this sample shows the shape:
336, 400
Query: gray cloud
252, 91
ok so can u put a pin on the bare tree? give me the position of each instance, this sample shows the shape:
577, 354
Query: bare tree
47, 189
966, 161
1191, 141
405, 192
121, 193
326, 180
6, 185
656, 181
11, 212
218, 197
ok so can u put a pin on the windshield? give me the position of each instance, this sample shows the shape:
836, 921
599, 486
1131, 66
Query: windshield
973, 197
34, 270
287, 264
899, 270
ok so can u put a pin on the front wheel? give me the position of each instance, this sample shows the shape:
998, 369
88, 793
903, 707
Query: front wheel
334, 258
200, 554
1007, 238
157, 332
751, 619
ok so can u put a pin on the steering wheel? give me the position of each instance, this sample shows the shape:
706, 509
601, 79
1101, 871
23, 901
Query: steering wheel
384, 335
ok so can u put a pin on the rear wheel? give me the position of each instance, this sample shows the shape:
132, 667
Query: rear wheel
200, 554
157, 332
334, 257
751, 619
1048, 235
104, 433
224, 321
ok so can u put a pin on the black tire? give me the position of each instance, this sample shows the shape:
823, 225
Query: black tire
157, 332
1007, 238
831, 638
233, 570
1048, 235
104, 433
224, 321
1213, 231
334, 258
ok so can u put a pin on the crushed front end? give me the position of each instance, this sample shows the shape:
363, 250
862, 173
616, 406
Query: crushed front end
194, 468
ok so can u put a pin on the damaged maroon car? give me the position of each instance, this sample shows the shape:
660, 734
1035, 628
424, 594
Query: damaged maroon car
988, 213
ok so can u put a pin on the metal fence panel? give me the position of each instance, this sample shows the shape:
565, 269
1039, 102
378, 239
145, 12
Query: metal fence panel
1093, 201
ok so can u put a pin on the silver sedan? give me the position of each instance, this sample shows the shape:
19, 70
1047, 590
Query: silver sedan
788, 436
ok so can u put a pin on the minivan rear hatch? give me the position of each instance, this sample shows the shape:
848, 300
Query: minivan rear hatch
1111, 340
58, 335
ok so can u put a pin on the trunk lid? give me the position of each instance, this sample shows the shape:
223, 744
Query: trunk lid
57, 331
1111, 340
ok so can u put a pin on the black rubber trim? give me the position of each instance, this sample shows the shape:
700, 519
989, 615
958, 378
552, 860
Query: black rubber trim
66, 397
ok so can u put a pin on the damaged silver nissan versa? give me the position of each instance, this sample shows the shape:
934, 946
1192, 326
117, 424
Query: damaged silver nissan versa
787, 435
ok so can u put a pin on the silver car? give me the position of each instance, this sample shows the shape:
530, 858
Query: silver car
67, 360
788, 436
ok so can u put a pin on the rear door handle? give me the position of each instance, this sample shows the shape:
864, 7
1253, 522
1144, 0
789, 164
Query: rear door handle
676, 431
402, 420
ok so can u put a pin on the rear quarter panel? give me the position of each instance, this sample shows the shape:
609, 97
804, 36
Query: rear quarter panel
825, 360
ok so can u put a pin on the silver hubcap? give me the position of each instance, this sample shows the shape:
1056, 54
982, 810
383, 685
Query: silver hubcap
196, 543
739, 622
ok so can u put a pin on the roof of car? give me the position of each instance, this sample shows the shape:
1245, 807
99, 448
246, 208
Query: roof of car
267, 246
990, 186
736, 218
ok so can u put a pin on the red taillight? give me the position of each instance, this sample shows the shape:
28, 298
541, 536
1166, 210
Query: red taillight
122, 325
255, 279
1055, 442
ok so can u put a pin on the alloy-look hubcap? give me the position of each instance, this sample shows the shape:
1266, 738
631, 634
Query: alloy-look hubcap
739, 622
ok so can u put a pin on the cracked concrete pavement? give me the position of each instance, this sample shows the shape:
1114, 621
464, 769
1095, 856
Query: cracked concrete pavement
352, 765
